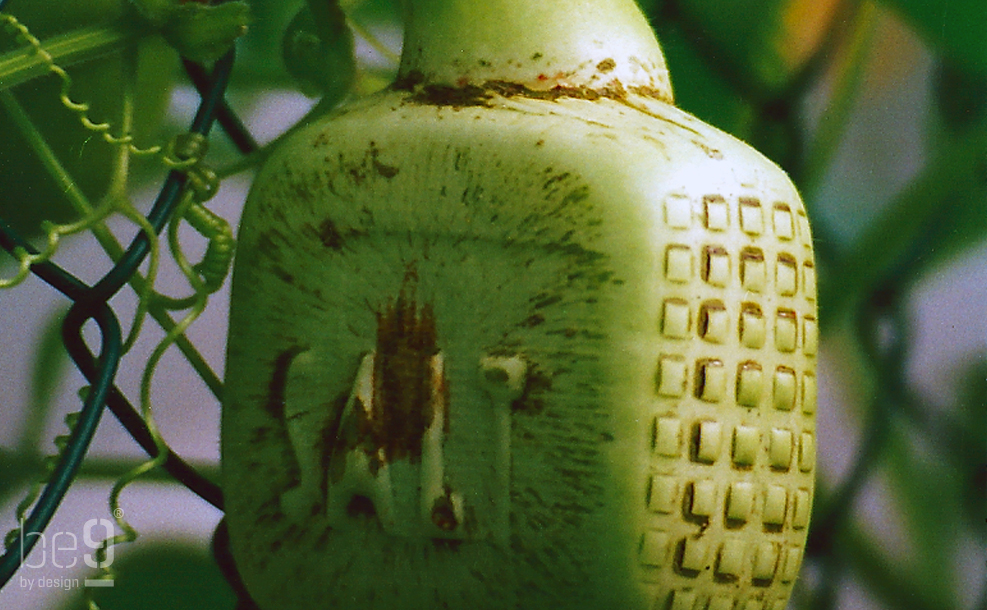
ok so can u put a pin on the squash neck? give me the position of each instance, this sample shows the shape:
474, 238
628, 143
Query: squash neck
605, 46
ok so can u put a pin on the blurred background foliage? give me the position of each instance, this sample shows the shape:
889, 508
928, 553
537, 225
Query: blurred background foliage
788, 76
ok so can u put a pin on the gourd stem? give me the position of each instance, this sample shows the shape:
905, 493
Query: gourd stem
538, 44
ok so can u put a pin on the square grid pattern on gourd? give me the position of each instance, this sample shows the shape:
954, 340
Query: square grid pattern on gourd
729, 491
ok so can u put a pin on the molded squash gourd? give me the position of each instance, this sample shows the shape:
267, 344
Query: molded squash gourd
518, 333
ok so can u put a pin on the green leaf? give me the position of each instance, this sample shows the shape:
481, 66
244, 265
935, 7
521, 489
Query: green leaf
318, 50
961, 96
942, 211
958, 28
699, 89
162, 576
765, 44
928, 493
203, 33
92, 56
50, 364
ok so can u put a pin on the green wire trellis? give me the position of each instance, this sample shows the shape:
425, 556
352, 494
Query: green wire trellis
90, 303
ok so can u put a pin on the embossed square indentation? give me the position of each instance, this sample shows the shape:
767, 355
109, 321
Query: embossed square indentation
694, 553
714, 323
786, 275
786, 330
753, 327
716, 266
716, 213
807, 451
678, 211
730, 562
809, 393
765, 561
740, 501
809, 280
711, 386
753, 270
751, 217
750, 383
668, 436
708, 438
671, 376
775, 505
746, 441
653, 549
803, 228
784, 223
703, 498
802, 510
783, 391
675, 319
810, 336
721, 602
662, 493
684, 599
790, 562
780, 449
678, 263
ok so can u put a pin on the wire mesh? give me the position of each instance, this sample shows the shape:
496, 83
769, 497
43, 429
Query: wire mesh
90, 303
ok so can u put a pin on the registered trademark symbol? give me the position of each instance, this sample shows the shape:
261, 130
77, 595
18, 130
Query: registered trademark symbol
118, 513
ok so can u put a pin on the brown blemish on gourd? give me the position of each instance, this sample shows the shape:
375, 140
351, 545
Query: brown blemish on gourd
332, 236
443, 513
536, 385
368, 167
465, 95
329, 235
382, 169
402, 377
279, 380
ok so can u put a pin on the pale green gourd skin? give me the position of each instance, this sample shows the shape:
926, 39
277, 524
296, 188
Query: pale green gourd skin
572, 234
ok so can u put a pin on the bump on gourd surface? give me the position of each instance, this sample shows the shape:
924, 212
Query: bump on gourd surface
610, 304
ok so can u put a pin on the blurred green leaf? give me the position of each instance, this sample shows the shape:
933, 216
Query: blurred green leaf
257, 56
925, 491
699, 89
204, 33
50, 365
971, 451
163, 576
883, 573
941, 212
766, 43
30, 195
961, 96
957, 27
318, 50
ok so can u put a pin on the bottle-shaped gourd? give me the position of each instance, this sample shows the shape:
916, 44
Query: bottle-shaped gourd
517, 333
